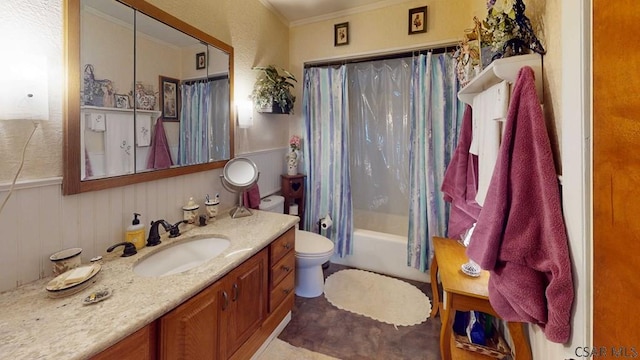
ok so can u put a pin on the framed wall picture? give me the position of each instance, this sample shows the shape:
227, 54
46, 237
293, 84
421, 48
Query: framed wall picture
169, 98
341, 34
201, 61
418, 20
122, 101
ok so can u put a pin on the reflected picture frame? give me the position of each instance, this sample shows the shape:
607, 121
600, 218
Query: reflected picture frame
341, 34
418, 20
201, 61
122, 101
169, 98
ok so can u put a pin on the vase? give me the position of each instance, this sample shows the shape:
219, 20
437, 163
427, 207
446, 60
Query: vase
292, 163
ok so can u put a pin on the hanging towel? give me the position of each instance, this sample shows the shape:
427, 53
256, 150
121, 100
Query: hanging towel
159, 154
488, 111
119, 144
97, 122
520, 235
143, 130
251, 197
460, 182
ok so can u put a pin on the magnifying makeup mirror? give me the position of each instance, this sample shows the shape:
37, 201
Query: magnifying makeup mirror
239, 175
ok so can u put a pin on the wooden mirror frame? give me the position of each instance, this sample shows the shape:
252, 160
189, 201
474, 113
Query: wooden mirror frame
71, 181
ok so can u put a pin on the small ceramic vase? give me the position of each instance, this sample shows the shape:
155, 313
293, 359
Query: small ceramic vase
190, 211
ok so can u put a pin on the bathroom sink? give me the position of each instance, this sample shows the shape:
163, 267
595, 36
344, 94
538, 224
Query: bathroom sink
181, 256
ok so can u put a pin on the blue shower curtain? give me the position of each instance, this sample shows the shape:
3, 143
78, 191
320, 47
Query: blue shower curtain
204, 114
326, 137
436, 116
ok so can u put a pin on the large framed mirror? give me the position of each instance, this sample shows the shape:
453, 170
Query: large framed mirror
148, 96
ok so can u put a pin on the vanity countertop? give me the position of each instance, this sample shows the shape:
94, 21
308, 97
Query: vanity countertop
35, 326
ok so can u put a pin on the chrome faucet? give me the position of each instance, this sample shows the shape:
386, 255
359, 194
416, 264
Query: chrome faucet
154, 235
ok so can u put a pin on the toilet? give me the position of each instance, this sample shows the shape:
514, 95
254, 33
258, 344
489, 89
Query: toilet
312, 250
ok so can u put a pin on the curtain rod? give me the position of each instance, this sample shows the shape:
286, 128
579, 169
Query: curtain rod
398, 55
208, 78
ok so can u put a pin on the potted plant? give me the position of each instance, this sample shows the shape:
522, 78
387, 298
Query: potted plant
272, 90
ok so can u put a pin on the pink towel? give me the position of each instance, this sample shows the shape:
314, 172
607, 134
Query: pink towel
520, 235
460, 182
251, 197
159, 153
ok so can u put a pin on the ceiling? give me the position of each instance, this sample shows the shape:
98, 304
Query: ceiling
301, 10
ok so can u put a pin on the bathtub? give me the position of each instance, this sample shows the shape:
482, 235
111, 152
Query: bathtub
381, 252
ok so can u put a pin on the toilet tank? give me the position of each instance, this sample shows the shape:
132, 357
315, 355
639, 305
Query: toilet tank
273, 203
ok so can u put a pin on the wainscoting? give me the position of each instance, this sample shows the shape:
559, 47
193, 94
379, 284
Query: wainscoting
38, 221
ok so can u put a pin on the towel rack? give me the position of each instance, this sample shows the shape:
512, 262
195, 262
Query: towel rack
502, 69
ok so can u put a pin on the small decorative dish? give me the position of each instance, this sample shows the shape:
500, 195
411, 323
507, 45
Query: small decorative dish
60, 286
471, 269
97, 296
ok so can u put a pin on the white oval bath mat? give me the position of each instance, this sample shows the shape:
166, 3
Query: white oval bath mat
379, 297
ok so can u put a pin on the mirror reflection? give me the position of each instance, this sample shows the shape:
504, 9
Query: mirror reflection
152, 97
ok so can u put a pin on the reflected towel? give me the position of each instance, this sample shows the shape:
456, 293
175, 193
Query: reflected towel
97, 122
520, 236
251, 197
143, 130
159, 153
460, 183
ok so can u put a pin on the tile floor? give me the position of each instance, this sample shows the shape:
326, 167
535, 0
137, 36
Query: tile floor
318, 326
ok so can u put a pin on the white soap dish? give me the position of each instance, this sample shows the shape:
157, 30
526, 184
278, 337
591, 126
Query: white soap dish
471, 268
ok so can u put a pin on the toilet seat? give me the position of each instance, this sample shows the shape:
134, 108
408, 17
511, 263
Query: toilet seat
309, 244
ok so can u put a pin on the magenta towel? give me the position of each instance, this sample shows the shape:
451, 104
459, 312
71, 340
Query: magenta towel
159, 153
251, 197
460, 183
520, 236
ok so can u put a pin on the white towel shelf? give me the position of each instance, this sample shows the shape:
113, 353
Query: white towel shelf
502, 69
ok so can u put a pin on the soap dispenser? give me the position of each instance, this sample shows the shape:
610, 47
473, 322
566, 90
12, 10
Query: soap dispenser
135, 233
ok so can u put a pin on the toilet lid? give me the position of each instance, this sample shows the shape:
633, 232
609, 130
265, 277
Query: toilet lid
310, 243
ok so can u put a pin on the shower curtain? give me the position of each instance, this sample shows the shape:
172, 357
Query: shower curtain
326, 130
204, 114
401, 129
436, 116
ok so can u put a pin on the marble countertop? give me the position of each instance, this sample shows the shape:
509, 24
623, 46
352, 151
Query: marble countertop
35, 326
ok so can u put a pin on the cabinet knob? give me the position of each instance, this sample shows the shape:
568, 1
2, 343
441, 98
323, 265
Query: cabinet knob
235, 292
287, 246
286, 291
286, 268
225, 303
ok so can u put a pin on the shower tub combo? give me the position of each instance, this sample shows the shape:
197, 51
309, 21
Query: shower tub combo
379, 246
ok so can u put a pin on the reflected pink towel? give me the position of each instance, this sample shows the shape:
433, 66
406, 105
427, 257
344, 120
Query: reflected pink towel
159, 153
251, 197
460, 183
520, 235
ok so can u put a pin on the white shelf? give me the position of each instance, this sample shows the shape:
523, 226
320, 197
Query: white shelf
112, 109
502, 69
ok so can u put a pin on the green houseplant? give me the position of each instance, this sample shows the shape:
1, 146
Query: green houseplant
272, 90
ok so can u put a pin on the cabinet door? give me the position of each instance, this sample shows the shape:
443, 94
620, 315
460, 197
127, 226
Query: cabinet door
140, 345
246, 289
190, 331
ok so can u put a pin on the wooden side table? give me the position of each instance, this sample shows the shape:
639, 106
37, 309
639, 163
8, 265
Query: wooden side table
464, 293
293, 193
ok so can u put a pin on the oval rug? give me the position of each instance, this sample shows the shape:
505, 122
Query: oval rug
376, 296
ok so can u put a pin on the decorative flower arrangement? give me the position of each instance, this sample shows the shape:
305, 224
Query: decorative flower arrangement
500, 25
294, 143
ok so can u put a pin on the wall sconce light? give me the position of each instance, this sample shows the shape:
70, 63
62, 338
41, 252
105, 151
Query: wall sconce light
25, 93
245, 114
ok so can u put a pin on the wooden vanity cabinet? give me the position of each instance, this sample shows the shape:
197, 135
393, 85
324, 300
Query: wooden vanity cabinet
230, 319
141, 345
244, 307
190, 331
